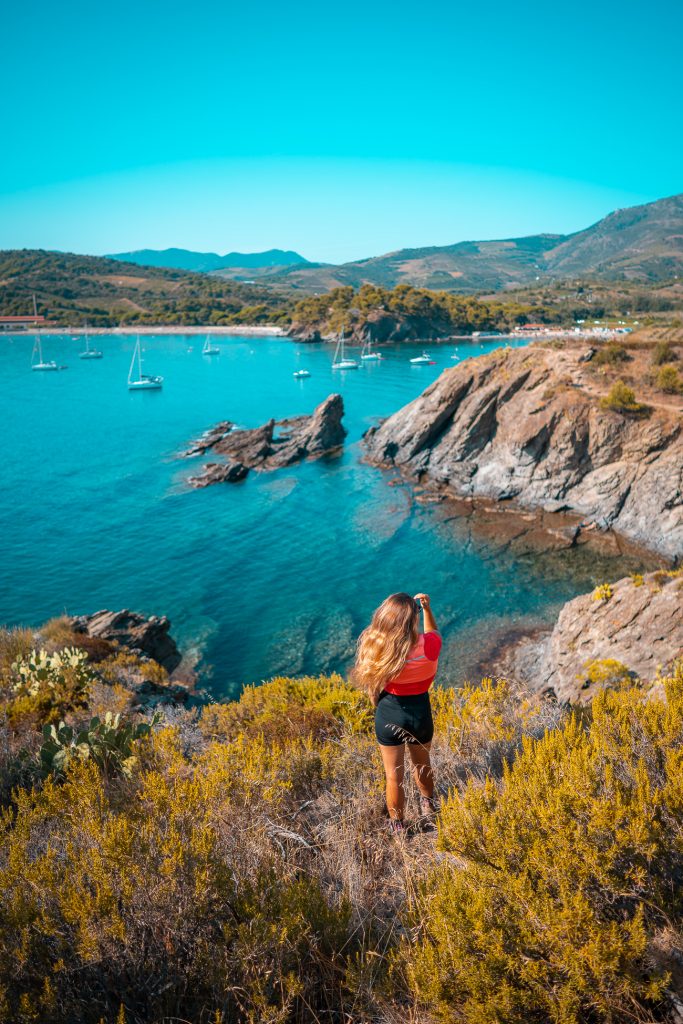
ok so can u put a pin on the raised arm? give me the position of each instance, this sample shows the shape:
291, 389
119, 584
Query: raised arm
428, 620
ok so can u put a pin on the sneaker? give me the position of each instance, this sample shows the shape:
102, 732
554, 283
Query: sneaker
397, 827
428, 807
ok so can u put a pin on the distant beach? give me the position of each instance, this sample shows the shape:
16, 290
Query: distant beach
262, 330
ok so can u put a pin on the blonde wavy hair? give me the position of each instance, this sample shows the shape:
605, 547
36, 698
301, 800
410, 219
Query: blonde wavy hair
383, 647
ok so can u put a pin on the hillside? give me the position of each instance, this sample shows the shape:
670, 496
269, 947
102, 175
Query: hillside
231, 863
233, 264
72, 289
642, 243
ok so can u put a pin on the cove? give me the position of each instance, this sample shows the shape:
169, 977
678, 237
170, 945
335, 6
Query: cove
275, 575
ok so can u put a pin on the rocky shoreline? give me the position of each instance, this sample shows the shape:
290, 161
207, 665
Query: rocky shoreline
524, 429
628, 632
276, 444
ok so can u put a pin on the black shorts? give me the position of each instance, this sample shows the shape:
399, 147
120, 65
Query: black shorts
403, 719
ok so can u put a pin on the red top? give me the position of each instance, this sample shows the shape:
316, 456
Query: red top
418, 673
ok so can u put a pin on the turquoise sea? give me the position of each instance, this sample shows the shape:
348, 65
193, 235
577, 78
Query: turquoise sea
275, 575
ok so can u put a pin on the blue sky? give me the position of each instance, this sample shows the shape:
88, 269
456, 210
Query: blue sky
341, 131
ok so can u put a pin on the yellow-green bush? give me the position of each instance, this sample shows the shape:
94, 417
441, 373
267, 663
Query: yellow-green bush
621, 398
605, 672
241, 871
555, 881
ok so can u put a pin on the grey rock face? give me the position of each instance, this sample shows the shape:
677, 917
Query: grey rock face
524, 426
640, 626
129, 629
273, 445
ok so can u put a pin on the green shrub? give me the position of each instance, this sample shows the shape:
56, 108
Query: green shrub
611, 354
556, 884
663, 353
621, 398
605, 672
669, 380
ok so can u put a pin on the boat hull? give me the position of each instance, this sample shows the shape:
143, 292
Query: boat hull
153, 384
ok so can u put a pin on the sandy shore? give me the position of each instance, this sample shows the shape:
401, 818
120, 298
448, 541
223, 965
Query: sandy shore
263, 330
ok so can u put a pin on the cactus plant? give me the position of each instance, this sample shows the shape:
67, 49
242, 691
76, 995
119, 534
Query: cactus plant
108, 742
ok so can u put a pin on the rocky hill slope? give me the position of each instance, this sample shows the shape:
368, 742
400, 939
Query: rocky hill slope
623, 633
527, 427
641, 243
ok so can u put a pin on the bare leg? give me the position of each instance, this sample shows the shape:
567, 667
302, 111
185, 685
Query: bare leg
422, 768
393, 759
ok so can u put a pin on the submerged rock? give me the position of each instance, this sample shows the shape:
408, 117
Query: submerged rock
149, 636
526, 427
273, 445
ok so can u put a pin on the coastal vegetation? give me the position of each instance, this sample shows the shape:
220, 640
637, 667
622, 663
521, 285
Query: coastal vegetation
442, 311
230, 863
621, 398
73, 290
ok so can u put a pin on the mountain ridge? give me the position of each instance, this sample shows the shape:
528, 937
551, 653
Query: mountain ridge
207, 262
637, 243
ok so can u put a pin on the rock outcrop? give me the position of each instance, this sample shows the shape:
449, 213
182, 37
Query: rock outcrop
271, 446
147, 636
379, 326
526, 427
632, 629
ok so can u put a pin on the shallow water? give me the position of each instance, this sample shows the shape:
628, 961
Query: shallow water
270, 576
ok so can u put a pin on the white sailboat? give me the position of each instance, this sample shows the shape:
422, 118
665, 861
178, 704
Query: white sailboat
143, 381
341, 361
300, 374
209, 349
422, 360
367, 353
89, 353
39, 363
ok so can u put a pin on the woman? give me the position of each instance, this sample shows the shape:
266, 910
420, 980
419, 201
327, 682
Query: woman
397, 664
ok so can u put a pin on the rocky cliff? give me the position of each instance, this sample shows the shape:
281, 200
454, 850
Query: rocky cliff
628, 631
148, 636
526, 426
271, 446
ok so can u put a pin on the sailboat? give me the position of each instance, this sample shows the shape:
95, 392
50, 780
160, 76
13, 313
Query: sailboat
340, 361
143, 381
39, 364
89, 353
423, 360
209, 349
367, 353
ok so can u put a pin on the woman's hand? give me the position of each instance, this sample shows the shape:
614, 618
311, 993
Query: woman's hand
428, 620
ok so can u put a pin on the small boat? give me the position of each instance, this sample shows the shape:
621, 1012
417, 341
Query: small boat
341, 361
366, 352
423, 360
38, 363
209, 349
89, 353
143, 381
300, 374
